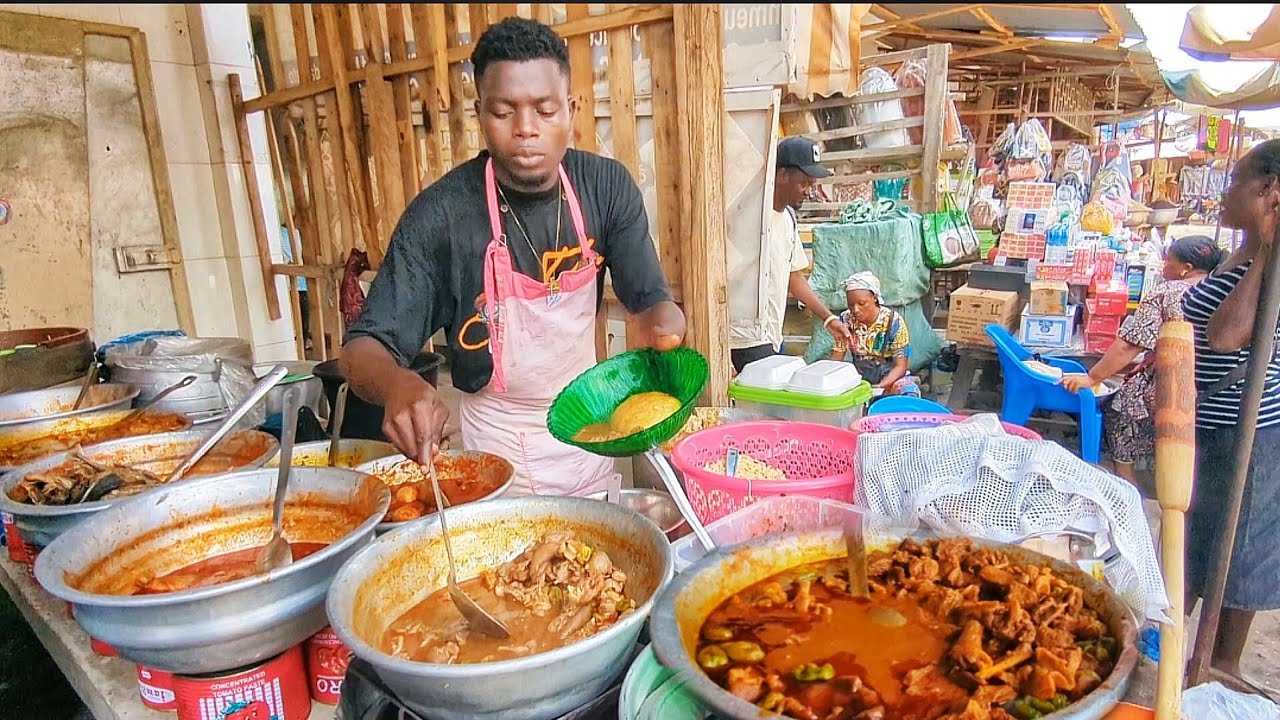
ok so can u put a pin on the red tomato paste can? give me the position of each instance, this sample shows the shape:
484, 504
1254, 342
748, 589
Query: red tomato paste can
155, 687
275, 689
19, 550
327, 660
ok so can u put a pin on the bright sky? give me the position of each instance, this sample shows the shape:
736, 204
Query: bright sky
1163, 22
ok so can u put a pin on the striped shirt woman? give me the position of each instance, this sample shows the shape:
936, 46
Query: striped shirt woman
1222, 310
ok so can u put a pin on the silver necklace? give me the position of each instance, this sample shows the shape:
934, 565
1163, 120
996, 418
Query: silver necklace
506, 207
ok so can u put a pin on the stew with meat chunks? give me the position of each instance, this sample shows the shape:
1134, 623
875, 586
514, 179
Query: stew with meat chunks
558, 591
985, 638
462, 480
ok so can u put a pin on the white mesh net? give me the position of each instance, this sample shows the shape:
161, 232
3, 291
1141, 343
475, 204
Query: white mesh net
973, 478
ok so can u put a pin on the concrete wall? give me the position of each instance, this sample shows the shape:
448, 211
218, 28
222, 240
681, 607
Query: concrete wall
193, 48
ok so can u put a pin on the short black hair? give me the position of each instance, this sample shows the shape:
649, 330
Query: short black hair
519, 40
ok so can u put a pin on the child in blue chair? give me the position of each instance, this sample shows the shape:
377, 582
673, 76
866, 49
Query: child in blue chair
881, 342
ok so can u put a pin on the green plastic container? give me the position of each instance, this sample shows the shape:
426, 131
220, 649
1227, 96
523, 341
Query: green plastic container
595, 394
837, 410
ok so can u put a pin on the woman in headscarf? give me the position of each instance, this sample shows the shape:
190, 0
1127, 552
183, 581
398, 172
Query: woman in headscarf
1130, 416
881, 342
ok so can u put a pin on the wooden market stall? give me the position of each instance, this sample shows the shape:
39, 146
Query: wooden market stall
369, 103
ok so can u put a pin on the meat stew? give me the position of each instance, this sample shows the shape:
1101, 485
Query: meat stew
217, 570
984, 638
558, 591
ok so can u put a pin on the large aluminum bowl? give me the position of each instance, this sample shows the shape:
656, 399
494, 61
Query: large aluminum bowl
351, 453
159, 454
16, 442
499, 471
224, 626
21, 408
399, 569
682, 609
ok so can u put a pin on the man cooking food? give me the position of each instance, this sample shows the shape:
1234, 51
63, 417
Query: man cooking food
506, 253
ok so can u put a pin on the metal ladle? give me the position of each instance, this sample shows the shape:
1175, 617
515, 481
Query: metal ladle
859, 587
259, 391
277, 553
475, 615
335, 424
137, 412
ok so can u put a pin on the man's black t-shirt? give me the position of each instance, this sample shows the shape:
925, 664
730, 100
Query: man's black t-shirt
432, 274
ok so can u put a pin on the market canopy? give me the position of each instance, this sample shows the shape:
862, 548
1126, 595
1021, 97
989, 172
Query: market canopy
1211, 36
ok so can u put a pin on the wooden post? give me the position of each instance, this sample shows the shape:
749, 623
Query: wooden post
582, 83
700, 89
255, 198
935, 96
1175, 469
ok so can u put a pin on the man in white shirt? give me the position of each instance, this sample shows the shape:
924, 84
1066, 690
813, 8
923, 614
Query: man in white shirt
782, 257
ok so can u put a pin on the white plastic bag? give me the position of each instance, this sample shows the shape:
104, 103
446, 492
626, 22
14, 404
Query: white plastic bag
877, 80
1213, 701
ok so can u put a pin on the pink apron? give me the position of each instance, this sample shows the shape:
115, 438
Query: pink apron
541, 336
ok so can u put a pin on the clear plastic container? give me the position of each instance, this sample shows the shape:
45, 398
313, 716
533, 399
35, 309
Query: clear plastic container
838, 410
770, 373
781, 513
825, 377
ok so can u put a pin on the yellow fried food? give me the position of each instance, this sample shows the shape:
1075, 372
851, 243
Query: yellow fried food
642, 411
749, 468
597, 432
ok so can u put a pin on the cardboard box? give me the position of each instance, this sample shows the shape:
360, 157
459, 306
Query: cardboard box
1048, 331
1097, 343
972, 309
1100, 323
1048, 297
1110, 299
1025, 246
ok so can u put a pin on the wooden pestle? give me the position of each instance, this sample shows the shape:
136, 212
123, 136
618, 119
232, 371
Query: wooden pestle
1175, 471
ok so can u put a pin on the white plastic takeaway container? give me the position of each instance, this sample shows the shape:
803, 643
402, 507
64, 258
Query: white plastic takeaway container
770, 373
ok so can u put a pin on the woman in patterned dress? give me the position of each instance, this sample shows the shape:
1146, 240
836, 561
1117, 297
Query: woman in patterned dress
1129, 420
881, 342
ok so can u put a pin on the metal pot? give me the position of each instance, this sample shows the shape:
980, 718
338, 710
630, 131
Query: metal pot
223, 626
202, 396
312, 387
351, 453
13, 440
501, 474
32, 406
39, 525
684, 606
656, 505
1162, 217
399, 569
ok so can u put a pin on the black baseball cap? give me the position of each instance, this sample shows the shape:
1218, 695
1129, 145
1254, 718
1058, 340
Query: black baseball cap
803, 154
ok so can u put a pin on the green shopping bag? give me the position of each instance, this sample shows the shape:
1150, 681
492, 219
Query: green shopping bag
949, 238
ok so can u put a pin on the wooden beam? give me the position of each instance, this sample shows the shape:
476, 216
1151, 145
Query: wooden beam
255, 196
457, 113
1115, 31
622, 100
985, 16
582, 83
917, 19
160, 185
331, 44
700, 88
935, 96
856, 130
397, 38
996, 49
294, 237
659, 42
430, 41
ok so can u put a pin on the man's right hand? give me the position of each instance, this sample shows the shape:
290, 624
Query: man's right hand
413, 416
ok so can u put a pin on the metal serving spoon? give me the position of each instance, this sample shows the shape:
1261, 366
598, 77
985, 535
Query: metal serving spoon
259, 391
475, 615
339, 411
859, 587
277, 553
155, 399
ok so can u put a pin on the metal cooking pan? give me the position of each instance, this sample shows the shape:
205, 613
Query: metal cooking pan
22, 408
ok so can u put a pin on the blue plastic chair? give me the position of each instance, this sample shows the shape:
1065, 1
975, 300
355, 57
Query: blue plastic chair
1026, 391
906, 404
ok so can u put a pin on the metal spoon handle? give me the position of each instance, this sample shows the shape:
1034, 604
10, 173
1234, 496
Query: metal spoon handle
88, 381
659, 462
288, 434
156, 398
335, 424
259, 391
444, 525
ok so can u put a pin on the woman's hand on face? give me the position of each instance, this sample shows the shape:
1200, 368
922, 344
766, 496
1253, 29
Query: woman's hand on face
1075, 382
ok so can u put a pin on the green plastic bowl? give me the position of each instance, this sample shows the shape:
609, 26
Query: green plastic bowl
595, 394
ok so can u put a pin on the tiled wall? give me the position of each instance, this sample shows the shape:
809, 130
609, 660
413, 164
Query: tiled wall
193, 48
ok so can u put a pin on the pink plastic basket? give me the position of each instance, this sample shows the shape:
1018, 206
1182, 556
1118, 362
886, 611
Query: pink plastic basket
817, 459
890, 422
